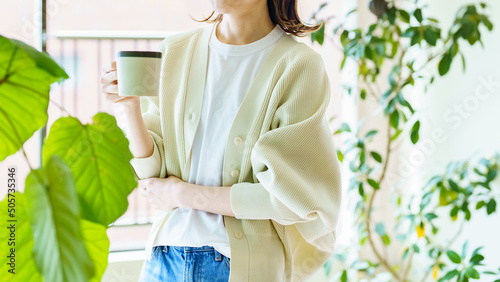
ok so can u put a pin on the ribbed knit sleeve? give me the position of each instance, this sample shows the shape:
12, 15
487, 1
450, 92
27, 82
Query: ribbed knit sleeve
295, 162
154, 165
151, 166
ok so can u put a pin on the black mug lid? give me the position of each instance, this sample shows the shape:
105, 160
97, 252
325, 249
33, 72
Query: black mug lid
146, 54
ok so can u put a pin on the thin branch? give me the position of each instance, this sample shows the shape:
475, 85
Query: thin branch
370, 204
408, 266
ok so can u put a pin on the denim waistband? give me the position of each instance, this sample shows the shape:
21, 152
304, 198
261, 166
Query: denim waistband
187, 249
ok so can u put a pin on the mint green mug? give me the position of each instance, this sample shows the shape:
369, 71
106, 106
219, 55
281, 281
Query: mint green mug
138, 73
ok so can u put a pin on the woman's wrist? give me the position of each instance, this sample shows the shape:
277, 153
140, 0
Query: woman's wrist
131, 107
183, 190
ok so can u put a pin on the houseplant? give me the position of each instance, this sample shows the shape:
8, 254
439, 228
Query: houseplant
385, 51
58, 225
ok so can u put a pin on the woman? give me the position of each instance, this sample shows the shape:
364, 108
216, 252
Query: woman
236, 153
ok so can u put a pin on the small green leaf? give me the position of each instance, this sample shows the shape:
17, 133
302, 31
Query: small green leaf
373, 183
449, 275
453, 185
363, 94
386, 239
405, 253
395, 136
394, 119
477, 258
404, 16
362, 157
430, 36
344, 37
454, 257
343, 278
414, 132
418, 15
340, 156
464, 249
380, 229
361, 191
487, 23
471, 273
463, 61
416, 248
492, 204
319, 35
444, 64
371, 133
430, 216
467, 30
343, 128
376, 156
480, 204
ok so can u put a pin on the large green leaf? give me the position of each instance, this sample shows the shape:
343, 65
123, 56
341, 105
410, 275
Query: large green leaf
24, 94
25, 268
99, 157
42, 60
97, 244
59, 250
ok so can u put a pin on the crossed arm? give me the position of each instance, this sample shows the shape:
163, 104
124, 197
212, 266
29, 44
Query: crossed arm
172, 192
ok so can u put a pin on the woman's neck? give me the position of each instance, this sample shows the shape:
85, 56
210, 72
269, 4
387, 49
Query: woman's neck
244, 29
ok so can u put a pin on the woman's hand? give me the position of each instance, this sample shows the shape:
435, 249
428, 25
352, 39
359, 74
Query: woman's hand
162, 193
109, 82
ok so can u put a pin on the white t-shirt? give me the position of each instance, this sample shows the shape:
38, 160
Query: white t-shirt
231, 69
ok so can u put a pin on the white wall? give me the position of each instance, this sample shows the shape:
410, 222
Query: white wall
468, 111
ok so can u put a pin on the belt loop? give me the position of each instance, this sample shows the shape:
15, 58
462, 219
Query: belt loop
217, 255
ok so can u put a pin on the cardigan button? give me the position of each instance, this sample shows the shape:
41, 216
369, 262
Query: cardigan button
238, 235
238, 140
235, 173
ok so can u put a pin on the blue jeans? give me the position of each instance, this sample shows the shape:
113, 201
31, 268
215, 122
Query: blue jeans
173, 263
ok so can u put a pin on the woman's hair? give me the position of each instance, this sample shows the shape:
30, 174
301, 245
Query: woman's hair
283, 13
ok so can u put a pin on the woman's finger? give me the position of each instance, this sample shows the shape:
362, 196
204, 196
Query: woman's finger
109, 77
110, 89
110, 67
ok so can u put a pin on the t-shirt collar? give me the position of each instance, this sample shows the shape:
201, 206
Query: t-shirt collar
245, 49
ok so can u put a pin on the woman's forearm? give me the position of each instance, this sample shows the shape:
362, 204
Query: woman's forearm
212, 199
141, 142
